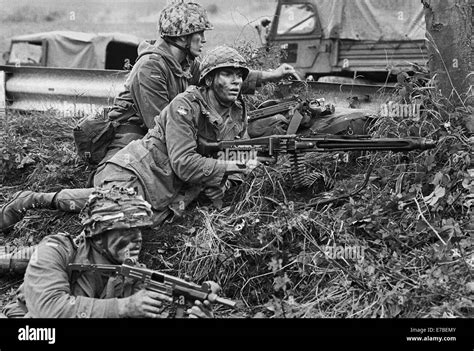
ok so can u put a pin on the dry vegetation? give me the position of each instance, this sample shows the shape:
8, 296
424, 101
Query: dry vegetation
265, 248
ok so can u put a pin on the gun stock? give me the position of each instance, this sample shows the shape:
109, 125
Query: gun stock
272, 110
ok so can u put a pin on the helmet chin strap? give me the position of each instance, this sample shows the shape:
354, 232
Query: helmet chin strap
98, 245
186, 49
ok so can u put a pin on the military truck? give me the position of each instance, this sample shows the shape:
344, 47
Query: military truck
67, 49
73, 72
349, 38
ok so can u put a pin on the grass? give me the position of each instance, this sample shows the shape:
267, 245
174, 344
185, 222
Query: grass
413, 219
265, 250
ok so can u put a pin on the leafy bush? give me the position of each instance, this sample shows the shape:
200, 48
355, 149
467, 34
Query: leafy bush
269, 249
413, 222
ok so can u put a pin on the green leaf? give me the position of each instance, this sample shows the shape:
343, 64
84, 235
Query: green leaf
437, 194
275, 265
437, 179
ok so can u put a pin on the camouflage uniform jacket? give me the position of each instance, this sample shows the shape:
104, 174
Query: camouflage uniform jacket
155, 80
51, 291
167, 158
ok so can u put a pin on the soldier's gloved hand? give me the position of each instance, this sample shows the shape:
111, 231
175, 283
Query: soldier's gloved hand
201, 310
215, 192
244, 168
143, 304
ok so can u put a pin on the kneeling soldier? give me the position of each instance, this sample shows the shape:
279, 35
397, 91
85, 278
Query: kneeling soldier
167, 166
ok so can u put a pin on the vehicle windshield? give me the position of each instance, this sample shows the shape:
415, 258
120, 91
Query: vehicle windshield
26, 53
296, 19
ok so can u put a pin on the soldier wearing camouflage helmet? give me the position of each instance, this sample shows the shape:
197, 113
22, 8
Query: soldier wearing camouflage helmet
181, 21
112, 221
168, 164
167, 167
165, 68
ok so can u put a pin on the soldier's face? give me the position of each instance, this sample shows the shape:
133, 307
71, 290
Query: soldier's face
124, 243
197, 42
227, 84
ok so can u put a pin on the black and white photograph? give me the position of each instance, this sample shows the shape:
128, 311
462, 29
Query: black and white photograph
282, 166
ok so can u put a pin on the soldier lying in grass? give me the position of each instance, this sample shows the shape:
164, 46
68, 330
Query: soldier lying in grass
112, 221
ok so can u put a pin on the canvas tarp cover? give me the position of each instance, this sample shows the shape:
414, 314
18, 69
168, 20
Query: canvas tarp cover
372, 19
77, 49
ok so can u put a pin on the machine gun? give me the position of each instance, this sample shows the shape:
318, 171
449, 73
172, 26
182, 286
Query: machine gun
268, 148
184, 291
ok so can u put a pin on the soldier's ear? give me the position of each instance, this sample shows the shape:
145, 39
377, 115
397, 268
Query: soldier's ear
209, 79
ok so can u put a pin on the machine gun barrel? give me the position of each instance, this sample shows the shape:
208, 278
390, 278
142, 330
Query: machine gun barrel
272, 145
382, 144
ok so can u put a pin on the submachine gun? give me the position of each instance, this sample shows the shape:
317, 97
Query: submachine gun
181, 290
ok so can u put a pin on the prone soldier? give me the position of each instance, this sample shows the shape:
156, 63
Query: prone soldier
112, 221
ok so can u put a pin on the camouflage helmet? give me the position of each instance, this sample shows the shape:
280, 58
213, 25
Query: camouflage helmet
115, 208
181, 19
220, 57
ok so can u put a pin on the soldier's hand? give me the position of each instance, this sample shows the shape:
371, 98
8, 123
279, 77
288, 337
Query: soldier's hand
244, 168
214, 193
201, 310
283, 71
143, 304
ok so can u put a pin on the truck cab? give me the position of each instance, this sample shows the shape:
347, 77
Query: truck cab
352, 38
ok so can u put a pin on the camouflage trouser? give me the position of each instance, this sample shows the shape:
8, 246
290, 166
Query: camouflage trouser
73, 200
109, 174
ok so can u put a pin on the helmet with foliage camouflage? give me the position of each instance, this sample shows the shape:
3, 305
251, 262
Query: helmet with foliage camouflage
182, 18
115, 208
220, 57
